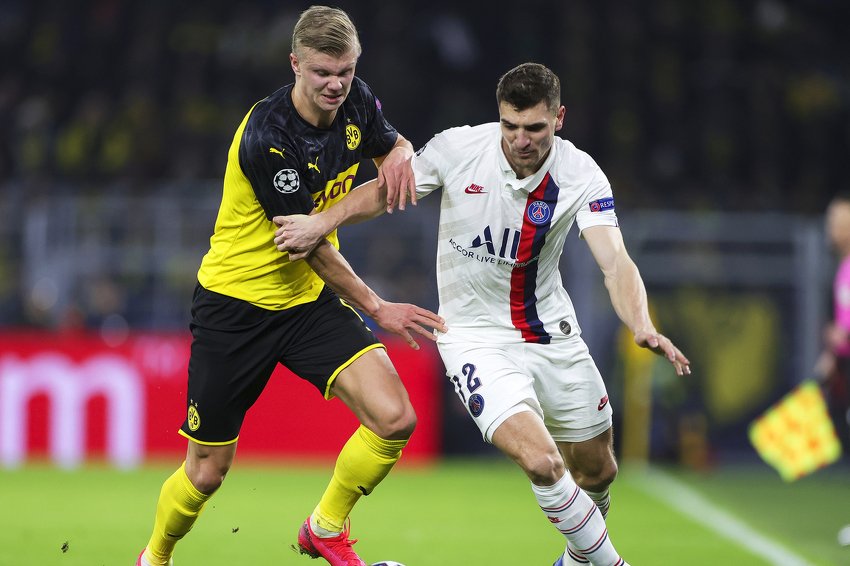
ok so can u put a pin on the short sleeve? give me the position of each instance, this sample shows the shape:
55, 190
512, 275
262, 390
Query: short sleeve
379, 136
271, 165
597, 208
434, 160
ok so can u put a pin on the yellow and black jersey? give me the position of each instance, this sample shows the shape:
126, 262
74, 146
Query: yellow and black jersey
279, 164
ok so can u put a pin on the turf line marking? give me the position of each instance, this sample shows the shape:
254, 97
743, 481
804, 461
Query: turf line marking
688, 501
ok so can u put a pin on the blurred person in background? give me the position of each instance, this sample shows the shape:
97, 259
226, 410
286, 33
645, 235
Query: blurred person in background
833, 366
511, 192
296, 151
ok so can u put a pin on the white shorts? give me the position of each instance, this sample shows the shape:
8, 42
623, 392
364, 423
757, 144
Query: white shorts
558, 381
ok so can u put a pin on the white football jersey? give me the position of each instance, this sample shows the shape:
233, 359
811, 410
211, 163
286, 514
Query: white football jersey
501, 238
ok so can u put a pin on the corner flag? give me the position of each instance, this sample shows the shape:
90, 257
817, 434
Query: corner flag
796, 435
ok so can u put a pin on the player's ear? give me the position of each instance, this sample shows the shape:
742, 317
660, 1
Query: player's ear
559, 122
296, 65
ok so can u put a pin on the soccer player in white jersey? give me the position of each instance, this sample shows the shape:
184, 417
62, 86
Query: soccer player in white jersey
510, 193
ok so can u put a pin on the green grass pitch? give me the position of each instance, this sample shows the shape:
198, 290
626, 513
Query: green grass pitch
478, 512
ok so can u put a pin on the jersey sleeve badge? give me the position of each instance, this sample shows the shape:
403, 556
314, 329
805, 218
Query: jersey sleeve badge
287, 181
602, 205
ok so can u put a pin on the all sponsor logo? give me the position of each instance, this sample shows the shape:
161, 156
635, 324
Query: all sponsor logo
538, 212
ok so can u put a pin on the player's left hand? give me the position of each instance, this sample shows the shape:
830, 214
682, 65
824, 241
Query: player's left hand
396, 174
662, 346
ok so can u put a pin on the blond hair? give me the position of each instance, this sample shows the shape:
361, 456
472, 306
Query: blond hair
326, 30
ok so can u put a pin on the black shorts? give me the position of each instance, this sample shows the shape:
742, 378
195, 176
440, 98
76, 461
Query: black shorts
236, 347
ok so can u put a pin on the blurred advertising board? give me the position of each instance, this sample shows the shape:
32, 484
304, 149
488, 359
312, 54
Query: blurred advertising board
73, 397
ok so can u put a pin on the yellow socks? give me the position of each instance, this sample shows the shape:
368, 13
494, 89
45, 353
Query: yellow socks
178, 508
364, 461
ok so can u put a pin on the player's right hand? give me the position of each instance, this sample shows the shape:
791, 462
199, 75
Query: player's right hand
662, 346
298, 234
402, 318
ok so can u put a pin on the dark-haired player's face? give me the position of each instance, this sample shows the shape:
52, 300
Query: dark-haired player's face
528, 135
323, 80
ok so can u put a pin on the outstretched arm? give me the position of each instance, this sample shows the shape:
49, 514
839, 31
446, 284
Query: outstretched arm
628, 294
398, 318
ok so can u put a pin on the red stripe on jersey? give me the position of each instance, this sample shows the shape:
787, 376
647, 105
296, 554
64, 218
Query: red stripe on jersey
523, 299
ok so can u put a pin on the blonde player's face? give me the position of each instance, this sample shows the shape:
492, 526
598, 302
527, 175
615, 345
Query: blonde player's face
322, 82
528, 135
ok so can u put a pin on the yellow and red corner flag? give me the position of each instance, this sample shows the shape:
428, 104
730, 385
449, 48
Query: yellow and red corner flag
796, 435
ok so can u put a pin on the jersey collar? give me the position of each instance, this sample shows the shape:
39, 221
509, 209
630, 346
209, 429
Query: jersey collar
509, 176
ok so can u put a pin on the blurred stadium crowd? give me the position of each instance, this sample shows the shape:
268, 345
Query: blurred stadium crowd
719, 104
727, 105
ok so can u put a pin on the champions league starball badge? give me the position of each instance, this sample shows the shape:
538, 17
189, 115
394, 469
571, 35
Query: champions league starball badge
286, 181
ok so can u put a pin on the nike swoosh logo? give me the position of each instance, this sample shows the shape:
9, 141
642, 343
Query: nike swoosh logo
475, 190
363, 489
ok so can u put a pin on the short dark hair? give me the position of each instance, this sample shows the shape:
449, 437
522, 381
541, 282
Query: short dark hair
527, 85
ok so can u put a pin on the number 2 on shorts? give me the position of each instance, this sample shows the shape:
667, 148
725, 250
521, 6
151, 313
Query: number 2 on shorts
472, 382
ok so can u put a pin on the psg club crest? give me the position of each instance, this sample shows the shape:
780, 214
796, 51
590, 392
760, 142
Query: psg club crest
538, 212
476, 404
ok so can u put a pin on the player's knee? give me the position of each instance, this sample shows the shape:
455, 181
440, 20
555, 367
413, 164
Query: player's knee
398, 423
600, 478
208, 480
543, 468
608, 475
207, 474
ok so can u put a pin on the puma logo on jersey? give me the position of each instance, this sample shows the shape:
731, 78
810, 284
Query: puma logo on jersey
280, 151
474, 189
314, 165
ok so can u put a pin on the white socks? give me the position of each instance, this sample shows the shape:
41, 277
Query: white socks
576, 515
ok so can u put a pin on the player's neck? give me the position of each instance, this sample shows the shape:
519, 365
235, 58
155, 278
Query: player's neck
520, 171
309, 111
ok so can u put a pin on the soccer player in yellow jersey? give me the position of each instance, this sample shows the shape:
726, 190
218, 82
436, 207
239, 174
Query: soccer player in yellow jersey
296, 151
